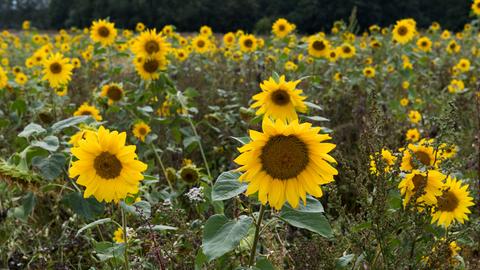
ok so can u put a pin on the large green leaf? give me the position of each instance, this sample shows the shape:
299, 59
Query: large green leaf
31, 129
72, 121
141, 208
50, 167
107, 250
88, 208
308, 217
227, 186
93, 224
222, 235
49, 143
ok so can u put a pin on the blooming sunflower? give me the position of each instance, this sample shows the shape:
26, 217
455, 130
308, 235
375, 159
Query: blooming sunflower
369, 72
229, 39
3, 78
118, 236
57, 70
248, 43
413, 135
21, 78
279, 100
452, 204
106, 166
476, 7
149, 44
425, 185
281, 28
424, 44
318, 46
141, 130
456, 86
206, 31
113, 91
404, 31
414, 116
201, 44
285, 162
149, 69
103, 32
86, 109
418, 154
453, 47
387, 158
347, 50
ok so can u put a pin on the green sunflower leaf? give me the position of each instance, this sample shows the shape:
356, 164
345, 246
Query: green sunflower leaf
228, 186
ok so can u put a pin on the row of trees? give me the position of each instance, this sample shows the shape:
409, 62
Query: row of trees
225, 15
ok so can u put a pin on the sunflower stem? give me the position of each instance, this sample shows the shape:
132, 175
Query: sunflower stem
162, 166
257, 236
124, 227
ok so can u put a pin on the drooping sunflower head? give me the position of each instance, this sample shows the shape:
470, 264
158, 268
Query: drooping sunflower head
106, 166
150, 44
318, 46
57, 70
404, 31
281, 28
279, 100
425, 186
103, 32
452, 203
285, 162
149, 69
141, 130
189, 174
86, 109
248, 43
113, 91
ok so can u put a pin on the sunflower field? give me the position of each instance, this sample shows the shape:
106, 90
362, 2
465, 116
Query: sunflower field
155, 149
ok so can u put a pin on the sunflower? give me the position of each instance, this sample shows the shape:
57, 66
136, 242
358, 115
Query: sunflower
369, 72
76, 63
452, 203
290, 66
404, 31
387, 158
418, 154
106, 166
113, 91
476, 7
149, 44
318, 46
21, 78
425, 186
281, 28
61, 91
206, 31
118, 236
463, 65
141, 130
412, 135
3, 78
347, 50
414, 116
103, 32
279, 100
285, 162
453, 47
189, 174
333, 55
424, 44
248, 43
140, 27
181, 54
201, 44
168, 30
149, 69
57, 70
229, 39
456, 86
86, 109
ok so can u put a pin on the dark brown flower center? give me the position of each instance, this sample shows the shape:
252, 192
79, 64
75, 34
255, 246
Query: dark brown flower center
189, 175
200, 44
419, 182
107, 165
248, 43
424, 44
114, 93
423, 157
281, 28
347, 49
151, 65
55, 68
284, 157
280, 97
402, 30
447, 202
152, 47
142, 131
103, 31
86, 113
318, 45
452, 46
